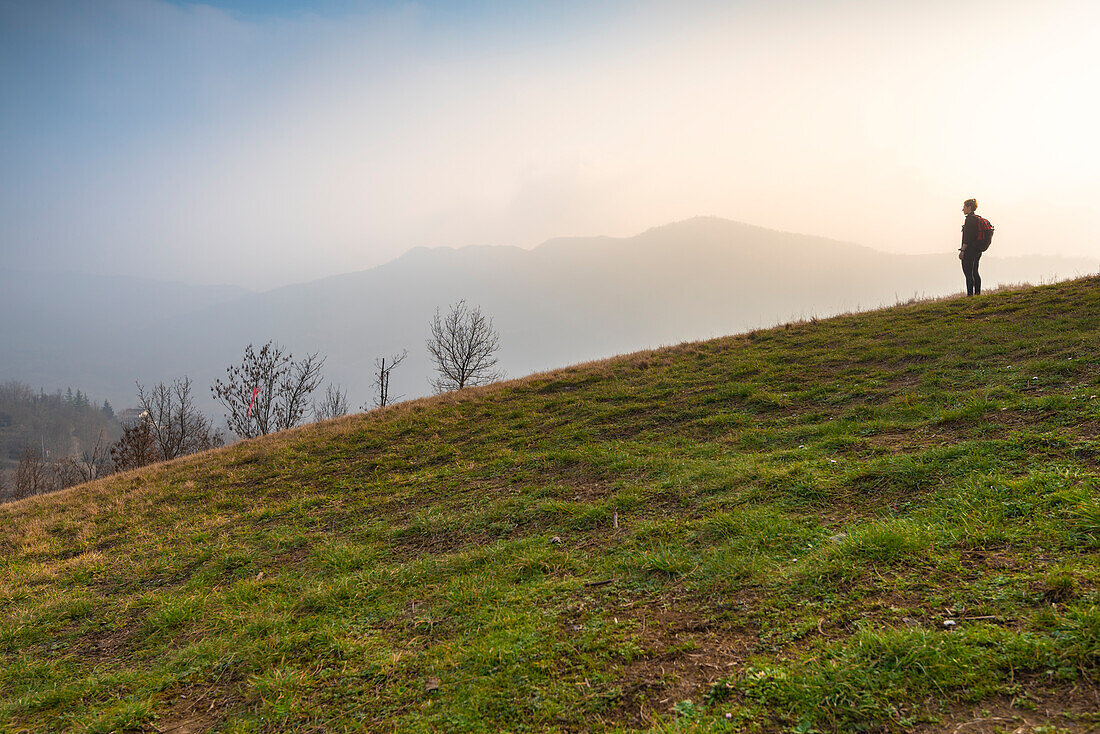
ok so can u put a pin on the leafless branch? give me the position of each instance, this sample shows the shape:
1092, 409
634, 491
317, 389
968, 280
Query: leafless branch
383, 368
333, 405
31, 475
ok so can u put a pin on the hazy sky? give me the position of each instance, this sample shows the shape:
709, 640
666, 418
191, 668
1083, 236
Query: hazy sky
268, 141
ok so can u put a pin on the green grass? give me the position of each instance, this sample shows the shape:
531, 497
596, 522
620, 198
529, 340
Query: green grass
886, 521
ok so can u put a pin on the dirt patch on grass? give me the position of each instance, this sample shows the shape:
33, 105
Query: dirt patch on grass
1017, 418
194, 708
107, 646
989, 558
907, 442
288, 559
191, 722
412, 545
688, 645
587, 489
1037, 708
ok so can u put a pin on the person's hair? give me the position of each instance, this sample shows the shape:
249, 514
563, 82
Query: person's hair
972, 203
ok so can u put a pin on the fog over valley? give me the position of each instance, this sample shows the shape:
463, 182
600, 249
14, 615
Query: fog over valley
567, 300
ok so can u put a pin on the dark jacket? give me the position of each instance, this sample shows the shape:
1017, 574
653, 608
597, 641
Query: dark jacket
970, 231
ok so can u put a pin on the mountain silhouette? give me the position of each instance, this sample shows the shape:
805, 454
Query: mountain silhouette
565, 301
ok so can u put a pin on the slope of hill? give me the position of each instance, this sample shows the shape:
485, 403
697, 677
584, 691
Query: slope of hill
566, 301
886, 521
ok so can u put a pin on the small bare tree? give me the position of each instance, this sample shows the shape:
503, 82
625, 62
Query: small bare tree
382, 396
179, 428
136, 448
32, 475
463, 345
95, 462
296, 388
65, 473
333, 405
268, 391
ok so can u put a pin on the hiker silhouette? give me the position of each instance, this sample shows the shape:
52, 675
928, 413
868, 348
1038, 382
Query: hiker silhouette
977, 233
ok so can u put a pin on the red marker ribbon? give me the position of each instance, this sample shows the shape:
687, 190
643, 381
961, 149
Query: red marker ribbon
255, 392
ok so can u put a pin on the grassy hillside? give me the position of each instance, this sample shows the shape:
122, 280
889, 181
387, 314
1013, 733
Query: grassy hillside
885, 521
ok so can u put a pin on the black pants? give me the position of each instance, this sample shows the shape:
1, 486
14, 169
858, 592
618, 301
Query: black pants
970, 270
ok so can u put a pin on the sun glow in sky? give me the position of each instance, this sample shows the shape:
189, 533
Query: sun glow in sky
262, 143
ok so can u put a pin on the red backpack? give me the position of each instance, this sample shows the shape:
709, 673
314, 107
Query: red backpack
985, 233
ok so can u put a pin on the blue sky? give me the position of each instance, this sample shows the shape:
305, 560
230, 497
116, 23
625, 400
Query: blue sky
290, 7
266, 142
461, 12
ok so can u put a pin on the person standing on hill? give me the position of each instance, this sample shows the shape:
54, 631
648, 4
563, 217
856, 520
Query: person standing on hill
971, 252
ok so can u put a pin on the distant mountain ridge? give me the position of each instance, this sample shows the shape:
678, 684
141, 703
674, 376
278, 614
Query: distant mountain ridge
567, 300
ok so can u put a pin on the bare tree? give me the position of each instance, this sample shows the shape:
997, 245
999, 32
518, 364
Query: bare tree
463, 345
334, 404
65, 473
249, 393
95, 462
296, 388
381, 383
136, 448
32, 475
178, 427
268, 391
